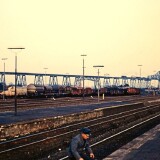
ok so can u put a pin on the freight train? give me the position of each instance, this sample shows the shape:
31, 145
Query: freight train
32, 90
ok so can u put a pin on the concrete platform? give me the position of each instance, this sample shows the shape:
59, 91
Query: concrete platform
144, 147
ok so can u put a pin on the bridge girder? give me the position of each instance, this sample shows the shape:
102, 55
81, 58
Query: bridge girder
53, 80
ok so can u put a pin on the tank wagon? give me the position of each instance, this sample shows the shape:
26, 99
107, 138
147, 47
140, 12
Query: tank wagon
35, 90
39, 91
10, 91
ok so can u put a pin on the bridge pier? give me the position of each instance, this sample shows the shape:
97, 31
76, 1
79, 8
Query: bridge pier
53, 80
21, 80
66, 81
38, 80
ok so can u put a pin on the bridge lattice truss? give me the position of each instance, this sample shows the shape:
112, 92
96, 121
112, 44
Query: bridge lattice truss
102, 81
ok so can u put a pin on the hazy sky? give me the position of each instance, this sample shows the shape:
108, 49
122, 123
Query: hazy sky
119, 34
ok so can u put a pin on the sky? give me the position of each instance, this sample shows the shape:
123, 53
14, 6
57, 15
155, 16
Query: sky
119, 34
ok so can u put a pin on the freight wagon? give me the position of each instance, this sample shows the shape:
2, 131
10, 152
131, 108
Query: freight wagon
74, 91
133, 91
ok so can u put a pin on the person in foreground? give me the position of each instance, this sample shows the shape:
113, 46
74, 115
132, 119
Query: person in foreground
79, 147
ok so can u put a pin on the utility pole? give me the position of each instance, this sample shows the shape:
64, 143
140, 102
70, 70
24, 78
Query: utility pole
140, 74
15, 97
98, 66
4, 80
83, 74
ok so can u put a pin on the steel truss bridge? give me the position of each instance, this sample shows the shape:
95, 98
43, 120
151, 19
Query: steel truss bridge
139, 82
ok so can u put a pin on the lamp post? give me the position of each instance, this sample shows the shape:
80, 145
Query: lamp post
140, 73
3, 59
98, 66
15, 97
45, 74
83, 73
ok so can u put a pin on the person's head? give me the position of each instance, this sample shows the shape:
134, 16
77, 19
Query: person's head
85, 132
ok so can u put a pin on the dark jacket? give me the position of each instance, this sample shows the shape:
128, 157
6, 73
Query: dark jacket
77, 146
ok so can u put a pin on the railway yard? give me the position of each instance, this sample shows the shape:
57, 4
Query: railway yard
79, 80
43, 128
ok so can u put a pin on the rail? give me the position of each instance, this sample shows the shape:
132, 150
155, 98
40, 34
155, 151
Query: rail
100, 124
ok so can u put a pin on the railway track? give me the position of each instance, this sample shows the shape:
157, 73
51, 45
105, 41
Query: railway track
24, 104
53, 142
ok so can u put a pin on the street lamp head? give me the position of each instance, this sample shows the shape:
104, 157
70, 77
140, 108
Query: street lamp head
83, 55
4, 58
98, 66
16, 48
140, 65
